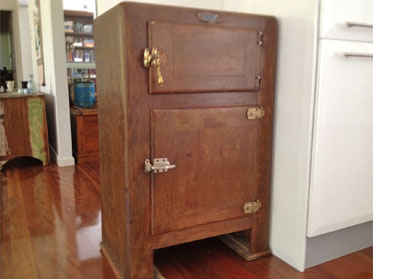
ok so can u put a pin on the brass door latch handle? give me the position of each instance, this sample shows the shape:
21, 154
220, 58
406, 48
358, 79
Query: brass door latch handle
151, 58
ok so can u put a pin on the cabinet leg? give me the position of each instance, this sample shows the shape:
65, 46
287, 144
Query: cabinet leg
258, 239
241, 244
155, 274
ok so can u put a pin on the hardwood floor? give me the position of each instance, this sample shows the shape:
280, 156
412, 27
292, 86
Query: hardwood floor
51, 228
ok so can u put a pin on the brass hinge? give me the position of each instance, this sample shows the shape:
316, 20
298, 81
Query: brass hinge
260, 35
252, 207
255, 113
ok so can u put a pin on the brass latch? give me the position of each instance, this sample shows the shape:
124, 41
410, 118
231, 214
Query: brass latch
159, 165
255, 113
252, 207
152, 58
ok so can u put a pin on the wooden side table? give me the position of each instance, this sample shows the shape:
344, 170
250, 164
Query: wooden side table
23, 127
84, 126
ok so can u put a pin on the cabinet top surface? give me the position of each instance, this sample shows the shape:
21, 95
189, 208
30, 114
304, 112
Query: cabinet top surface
84, 111
19, 95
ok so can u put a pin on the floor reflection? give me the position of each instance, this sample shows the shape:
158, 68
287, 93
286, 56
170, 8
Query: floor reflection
51, 228
51, 223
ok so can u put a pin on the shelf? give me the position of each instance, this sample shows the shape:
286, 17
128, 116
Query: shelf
81, 65
83, 47
80, 34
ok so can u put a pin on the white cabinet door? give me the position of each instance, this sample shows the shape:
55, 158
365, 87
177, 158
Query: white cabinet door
346, 19
341, 178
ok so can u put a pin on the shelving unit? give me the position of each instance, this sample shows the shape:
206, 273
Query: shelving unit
79, 39
84, 121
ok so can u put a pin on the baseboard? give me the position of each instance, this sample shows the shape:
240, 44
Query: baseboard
299, 266
336, 244
59, 160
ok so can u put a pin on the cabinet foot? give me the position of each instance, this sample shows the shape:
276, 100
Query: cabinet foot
239, 243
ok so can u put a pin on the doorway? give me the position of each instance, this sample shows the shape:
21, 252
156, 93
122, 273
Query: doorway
7, 55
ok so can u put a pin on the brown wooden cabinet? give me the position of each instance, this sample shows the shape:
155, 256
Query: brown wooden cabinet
23, 127
185, 128
84, 126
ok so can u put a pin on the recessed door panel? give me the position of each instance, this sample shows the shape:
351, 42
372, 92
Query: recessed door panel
215, 153
203, 58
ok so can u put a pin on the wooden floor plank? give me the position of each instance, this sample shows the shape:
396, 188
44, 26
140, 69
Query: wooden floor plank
18, 259
51, 228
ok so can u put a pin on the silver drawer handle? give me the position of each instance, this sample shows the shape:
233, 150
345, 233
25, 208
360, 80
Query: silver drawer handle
358, 54
358, 24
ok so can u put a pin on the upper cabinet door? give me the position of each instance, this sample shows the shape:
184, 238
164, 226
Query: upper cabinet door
341, 178
346, 19
204, 58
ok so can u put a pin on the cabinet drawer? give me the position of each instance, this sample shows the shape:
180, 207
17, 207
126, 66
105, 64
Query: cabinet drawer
346, 19
341, 179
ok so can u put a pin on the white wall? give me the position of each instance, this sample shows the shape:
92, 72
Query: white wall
293, 114
56, 90
79, 5
292, 123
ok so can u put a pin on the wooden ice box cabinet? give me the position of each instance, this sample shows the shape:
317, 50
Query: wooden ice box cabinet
185, 130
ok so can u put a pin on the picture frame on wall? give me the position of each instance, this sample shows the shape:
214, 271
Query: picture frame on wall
38, 43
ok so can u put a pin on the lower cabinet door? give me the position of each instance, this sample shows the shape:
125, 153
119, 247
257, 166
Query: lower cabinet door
214, 151
341, 178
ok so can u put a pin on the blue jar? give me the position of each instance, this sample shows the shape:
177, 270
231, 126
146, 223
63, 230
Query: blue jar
84, 94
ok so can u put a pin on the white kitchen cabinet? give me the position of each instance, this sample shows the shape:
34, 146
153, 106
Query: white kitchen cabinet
322, 134
341, 177
322, 172
346, 20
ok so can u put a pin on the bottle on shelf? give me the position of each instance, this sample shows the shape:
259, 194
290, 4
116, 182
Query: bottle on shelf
31, 84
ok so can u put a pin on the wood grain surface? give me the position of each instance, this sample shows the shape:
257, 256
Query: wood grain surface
23, 127
196, 118
51, 228
84, 130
